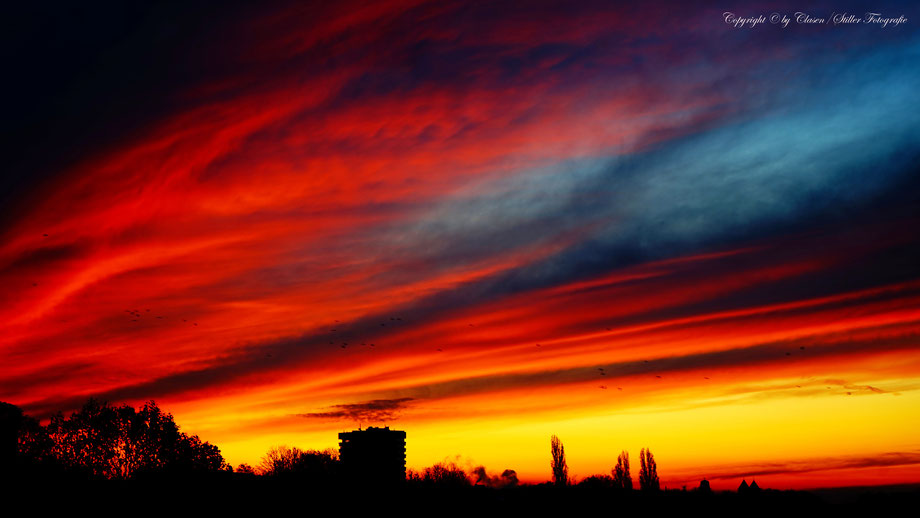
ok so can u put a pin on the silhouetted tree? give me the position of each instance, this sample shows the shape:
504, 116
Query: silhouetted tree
560, 468
288, 461
621, 477
278, 460
108, 442
445, 475
648, 471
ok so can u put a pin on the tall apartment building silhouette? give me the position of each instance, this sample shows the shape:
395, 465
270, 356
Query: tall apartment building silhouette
374, 455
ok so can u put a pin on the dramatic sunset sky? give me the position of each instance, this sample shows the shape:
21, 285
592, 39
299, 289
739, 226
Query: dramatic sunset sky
482, 223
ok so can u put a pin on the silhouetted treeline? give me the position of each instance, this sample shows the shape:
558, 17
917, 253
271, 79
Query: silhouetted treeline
119, 459
100, 441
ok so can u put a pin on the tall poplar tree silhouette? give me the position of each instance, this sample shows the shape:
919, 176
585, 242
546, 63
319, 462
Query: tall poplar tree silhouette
648, 471
560, 468
621, 477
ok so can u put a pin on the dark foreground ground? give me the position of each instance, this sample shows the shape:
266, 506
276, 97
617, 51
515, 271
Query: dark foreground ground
234, 495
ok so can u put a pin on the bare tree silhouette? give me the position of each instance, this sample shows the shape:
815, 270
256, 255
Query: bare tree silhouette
560, 468
291, 461
278, 460
621, 477
444, 475
648, 471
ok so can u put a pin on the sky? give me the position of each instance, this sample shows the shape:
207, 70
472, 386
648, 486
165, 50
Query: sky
483, 223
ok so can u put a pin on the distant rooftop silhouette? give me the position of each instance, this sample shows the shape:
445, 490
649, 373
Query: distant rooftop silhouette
374, 455
704, 486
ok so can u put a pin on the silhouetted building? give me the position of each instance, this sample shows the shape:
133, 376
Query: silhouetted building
374, 455
743, 488
704, 486
754, 487
10, 421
